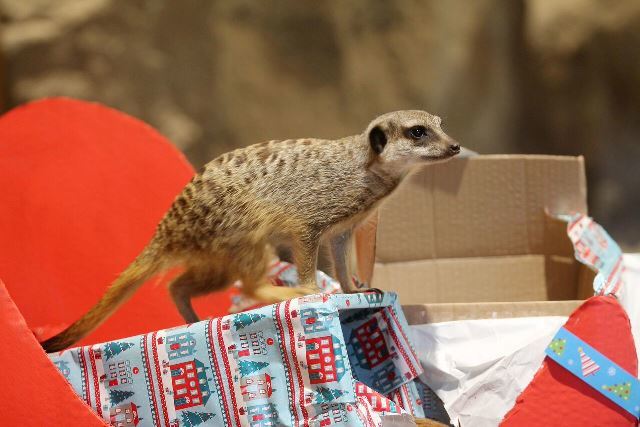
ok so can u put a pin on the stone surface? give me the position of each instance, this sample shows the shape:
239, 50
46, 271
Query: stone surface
531, 76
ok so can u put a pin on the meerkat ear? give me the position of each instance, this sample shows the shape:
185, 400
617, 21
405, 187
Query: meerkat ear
377, 139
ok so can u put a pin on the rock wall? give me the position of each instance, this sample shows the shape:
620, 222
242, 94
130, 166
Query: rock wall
527, 76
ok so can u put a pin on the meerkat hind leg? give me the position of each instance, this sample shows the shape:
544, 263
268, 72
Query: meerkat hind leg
192, 283
253, 274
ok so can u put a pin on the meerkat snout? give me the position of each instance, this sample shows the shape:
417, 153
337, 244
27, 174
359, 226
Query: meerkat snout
454, 147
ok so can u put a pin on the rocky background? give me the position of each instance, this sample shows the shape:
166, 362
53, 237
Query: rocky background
508, 76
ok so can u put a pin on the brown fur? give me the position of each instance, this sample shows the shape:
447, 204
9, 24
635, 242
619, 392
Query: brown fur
299, 191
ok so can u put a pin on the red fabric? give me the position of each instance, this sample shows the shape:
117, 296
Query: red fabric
32, 391
556, 397
82, 188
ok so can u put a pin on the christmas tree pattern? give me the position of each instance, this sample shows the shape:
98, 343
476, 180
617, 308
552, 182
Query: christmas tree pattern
558, 345
249, 367
243, 320
621, 390
324, 394
190, 418
114, 348
589, 367
117, 396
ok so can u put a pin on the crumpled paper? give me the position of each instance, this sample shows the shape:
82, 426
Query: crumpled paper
629, 294
479, 367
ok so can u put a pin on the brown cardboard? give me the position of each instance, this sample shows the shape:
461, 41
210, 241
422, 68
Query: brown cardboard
480, 229
420, 314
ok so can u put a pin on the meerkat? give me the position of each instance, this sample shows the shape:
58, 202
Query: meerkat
300, 191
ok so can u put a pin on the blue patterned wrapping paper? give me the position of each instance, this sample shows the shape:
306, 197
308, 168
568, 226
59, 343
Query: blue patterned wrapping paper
594, 247
296, 363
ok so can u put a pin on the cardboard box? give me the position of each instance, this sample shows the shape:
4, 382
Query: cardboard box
476, 238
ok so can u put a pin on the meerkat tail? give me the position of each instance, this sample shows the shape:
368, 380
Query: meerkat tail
138, 272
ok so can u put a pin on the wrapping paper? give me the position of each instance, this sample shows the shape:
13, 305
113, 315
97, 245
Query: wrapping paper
594, 247
318, 360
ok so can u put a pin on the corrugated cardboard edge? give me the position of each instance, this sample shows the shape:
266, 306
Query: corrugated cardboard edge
420, 314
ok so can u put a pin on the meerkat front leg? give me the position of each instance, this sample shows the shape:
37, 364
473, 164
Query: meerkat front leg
305, 255
340, 245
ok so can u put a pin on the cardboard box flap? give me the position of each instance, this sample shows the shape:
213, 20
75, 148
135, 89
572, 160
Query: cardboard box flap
482, 206
420, 314
482, 279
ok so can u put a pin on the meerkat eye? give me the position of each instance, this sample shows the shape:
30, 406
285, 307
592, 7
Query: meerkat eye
417, 132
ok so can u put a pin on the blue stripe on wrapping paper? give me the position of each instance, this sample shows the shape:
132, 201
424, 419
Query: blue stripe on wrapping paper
596, 370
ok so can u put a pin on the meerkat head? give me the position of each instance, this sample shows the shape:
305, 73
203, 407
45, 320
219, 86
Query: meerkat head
402, 139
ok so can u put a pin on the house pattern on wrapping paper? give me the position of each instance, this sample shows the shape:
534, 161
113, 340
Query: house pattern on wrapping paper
63, 367
125, 415
325, 359
379, 402
118, 373
325, 354
180, 345
369, 349
332, 414
369, 345
189, 383
248, 345
315, 322
256, 387
265, 415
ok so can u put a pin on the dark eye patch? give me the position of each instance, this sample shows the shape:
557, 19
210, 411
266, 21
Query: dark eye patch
417, 132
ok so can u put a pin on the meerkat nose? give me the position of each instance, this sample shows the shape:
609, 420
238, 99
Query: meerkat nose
454, 148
